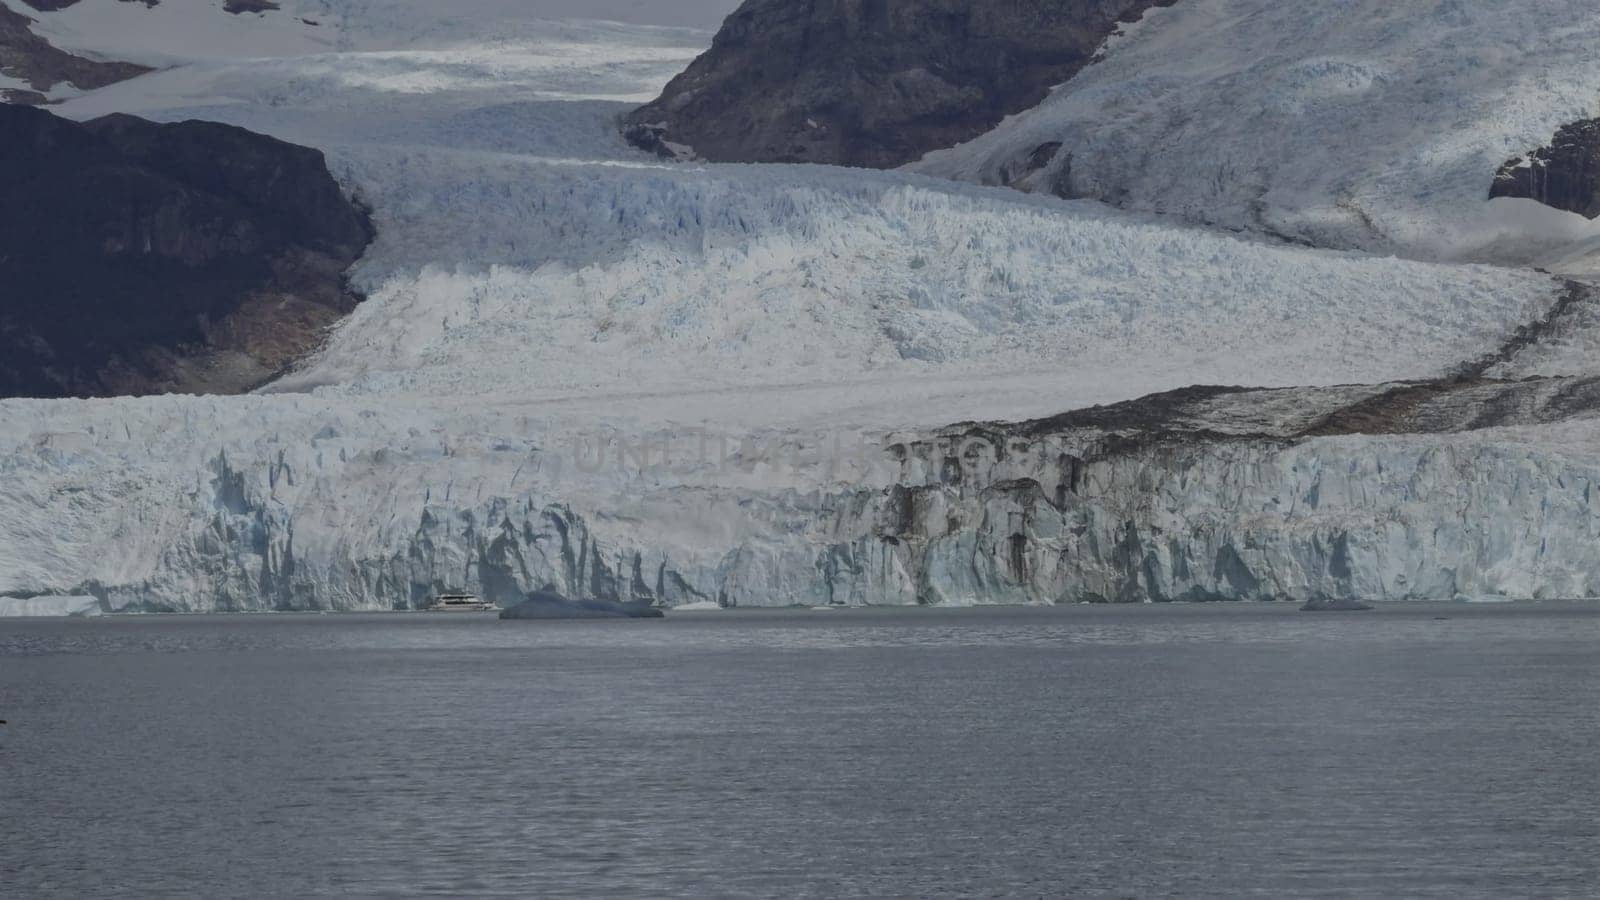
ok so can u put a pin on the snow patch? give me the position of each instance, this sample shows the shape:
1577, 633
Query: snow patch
175, 32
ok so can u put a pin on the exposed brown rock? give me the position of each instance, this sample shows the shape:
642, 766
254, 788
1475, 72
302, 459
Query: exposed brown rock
31, 58
1565, 175
249, 6
142, 258
871, 82
53, 5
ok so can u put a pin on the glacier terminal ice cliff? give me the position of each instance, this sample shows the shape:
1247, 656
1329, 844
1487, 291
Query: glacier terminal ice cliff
584, 368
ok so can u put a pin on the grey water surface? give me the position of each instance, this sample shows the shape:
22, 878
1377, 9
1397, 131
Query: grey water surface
1182, 751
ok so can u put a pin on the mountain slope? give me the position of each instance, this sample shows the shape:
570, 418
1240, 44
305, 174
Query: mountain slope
30, 66
1361, 124
140, 258
871, 84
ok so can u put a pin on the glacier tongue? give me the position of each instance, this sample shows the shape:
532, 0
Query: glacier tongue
798, 337
866, 299
1337, 518
313, 506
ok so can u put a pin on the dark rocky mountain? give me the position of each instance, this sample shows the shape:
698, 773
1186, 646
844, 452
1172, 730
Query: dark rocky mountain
873, 83
138, 257
52, 5
26, 56
1565, 175
234, 6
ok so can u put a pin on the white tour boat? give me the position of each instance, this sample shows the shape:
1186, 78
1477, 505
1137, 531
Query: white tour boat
460, 603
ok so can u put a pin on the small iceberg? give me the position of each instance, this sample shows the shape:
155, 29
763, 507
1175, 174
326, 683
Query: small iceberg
1337, 604
551, 605
699, 606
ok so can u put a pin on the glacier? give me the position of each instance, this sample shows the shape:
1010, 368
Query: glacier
313, 505
585, 369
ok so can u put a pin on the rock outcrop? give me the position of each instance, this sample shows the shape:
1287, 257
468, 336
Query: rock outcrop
142, 258
1565, 174
26, 56
30, 58
236, 7
873, 83
239, 7
53, 5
